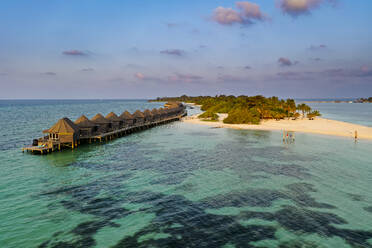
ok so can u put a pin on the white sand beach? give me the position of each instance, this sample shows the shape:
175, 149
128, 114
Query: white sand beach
318, 126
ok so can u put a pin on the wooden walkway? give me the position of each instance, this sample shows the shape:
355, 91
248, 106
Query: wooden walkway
104, 136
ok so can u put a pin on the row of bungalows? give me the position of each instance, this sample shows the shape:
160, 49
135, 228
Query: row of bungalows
66, 131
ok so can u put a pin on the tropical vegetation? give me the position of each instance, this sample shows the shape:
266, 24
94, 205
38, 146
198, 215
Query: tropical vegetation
246, 109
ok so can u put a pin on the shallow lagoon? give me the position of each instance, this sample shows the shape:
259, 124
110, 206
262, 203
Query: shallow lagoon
180, 185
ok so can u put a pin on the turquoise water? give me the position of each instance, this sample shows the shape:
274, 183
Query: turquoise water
359, 113
180, 185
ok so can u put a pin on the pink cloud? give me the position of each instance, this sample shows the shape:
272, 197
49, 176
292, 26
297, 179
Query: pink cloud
139, 75
185, 77
286, 62
300, 7
74, 53
317, 47
174, 52
246, 14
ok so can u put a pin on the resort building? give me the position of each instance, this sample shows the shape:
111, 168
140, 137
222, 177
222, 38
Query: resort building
66, 133
115, 120
63, 132
155, 114
86, 126
104, 125
127, 118
139, 118
148, 115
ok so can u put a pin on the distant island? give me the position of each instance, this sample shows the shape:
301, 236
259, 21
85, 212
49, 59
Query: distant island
364, 100
359, 100
245, 109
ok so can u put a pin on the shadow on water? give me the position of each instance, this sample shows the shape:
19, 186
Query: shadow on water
187, 223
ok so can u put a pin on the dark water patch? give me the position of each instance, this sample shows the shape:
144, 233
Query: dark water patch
85, 200
188, 224
355, 197
313, 222
252, 198
368, 209
187, 187
88, 228
289, 170
195, 227
300, 194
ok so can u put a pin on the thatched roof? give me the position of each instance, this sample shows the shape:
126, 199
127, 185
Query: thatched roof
126, 116
138, 114
99, 119
64, 125
83, 121
155, 111
112, 117
148, 113
161, 111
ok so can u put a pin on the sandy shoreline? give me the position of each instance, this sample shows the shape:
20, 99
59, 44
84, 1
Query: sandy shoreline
317, 126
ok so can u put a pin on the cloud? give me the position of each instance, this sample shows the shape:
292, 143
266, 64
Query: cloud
250, 11
74, 53
173, 52
230, 78
172, 24
317, 47
142, 77
87, 69
49, 73
290, 75
246, 14
296, 8
362, 72
139, 75
286, 62
316, 59
185, 77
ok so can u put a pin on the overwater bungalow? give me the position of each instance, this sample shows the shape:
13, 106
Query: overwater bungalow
139, 118
148, 115
115, 120
128, 119
167, 112
64, 132
162, 113
86, 126
155, 114
104, 125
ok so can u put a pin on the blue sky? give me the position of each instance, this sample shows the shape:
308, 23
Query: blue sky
144, 49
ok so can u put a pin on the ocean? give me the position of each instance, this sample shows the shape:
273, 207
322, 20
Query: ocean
183, 185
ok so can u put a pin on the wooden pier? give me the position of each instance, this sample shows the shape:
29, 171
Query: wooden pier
65, 134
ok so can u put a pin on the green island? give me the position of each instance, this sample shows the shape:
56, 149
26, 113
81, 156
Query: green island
364, 100
245, 109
